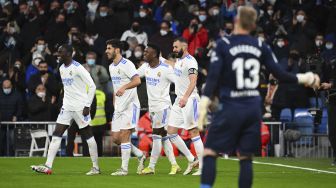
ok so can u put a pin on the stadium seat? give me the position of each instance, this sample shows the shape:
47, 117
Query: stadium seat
286, 115
312, 102
304, 122
39, 134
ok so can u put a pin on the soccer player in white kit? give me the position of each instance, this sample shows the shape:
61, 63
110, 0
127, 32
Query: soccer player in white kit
125, 79
79, 91
158, 76
184, 113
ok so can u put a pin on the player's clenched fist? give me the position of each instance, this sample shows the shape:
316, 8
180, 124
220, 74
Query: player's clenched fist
120, 92
309, 79
203, 109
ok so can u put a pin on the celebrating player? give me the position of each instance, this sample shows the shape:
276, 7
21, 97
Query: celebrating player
125, 79
234, 70
76, 106
184, 112
158, 75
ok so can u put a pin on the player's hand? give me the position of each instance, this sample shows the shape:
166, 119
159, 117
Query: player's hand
120, 92
183, 101
309, 79
203, 111
86, 111
325, 86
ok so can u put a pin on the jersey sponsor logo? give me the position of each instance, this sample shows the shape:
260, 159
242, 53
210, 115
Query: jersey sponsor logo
177, 72
245, 93
245, 49
67, 81
152, 81
116, 79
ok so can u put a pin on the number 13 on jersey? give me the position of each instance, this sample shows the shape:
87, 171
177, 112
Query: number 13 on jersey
240, 65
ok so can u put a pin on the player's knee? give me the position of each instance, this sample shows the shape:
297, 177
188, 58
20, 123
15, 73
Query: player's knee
59, 130
160, 131
86, 132
194, 132
172, 130
209, 152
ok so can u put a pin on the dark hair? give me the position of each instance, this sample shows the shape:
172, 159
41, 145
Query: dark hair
39, 38
116, 43
166, 22
156, 48
68, 48
42, 62
181, 39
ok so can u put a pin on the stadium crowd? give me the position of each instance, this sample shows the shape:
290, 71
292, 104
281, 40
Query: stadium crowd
32, 30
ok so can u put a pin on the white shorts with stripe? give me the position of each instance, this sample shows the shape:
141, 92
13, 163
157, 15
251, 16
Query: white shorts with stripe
127, 119
186, 117
67, 117
159, 119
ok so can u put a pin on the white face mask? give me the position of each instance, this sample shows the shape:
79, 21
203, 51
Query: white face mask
300, 18
202, 18
41, 94
329, 45
270, 12
163, 32
262, 39
215, 12
36, 62
40, 48
7, 91
318, 43
137, 54
281, 44
142, 14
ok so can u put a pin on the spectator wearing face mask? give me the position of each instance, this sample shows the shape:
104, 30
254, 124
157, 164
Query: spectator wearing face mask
146, 20
10, 45
16, 75
280, 48
196, 35
92, 9
33, 67
11, 108
80, 47
132, 43
95, 42
47, 79
302, 33
137, 56
98, 72
106, 24
56, 31
137, 32
318, 44
75, 13
164, 38
40, 105
329, 49
213, 22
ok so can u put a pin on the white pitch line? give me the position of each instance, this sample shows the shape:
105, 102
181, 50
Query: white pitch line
289, 166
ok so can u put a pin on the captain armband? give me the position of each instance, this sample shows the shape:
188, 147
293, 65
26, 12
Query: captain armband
192, 71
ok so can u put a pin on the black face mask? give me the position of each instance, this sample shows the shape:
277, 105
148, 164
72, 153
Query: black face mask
43, 71
294, 56
136, 28
228, 31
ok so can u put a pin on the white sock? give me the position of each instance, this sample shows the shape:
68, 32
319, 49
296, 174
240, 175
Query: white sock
53, 148
179, 143
93, 151
199, 148
168, 149
156, 150
125, 155
136, 151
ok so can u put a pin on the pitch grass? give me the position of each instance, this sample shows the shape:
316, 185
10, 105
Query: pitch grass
69, 172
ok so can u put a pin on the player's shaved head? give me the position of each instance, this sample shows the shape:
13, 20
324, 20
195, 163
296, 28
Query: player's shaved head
247, 17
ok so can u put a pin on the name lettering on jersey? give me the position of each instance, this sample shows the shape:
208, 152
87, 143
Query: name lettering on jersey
245, 49
67, 81
116, 79
152, 81
177, 72
245, 93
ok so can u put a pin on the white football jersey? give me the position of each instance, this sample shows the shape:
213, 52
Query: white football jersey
181, 70
158, 81
122, 74
79, 88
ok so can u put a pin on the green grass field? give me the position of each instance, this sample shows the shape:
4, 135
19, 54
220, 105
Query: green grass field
69, 172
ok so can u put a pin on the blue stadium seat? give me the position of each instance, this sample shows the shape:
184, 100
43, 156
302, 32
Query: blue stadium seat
312, 102
286, 115
305, 124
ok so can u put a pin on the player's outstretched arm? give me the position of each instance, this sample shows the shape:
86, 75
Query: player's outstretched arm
135, 81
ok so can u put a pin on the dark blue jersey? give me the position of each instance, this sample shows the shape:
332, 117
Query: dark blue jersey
235, 67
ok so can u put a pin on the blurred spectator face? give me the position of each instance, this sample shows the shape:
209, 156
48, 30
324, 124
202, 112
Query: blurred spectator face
103, 11
142, 12
261, 36
280, 42
329, 45
168, 17
70, 6
135, 27
132, 43
91, 58
7, 87
193, 22
40, 91
294, 55
319, 40
36, 61
17, 65
241, 3
138, 52
228, 27
24, 9
60, 18
270, 10
43, 67
300, 16
164, 29
194, 9
202, 15
54, 5
214, 11
40, 45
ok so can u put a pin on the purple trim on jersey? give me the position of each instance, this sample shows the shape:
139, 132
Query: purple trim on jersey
195, 109
165, 112
134, 114
195, 139
134, 75
122, 60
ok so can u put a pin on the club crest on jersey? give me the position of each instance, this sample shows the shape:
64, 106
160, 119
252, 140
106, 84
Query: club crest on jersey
159, 74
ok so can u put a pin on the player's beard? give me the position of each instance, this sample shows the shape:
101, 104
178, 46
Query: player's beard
179, 54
